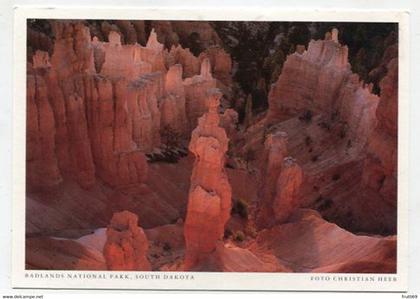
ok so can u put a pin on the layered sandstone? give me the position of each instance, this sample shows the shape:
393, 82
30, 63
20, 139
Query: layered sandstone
126, 245
210, 192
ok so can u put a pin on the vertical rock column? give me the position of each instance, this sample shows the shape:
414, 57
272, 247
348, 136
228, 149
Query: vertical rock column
126, 245
72, 64
41, 165
286, 200
172, 107
281, 182
275, 151
210, 193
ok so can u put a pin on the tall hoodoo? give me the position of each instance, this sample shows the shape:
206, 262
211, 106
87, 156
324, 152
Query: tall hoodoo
286, 200
126, 246
275, 151
279, 190
210, 192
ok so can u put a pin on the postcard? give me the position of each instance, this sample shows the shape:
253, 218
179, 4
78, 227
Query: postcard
170, 149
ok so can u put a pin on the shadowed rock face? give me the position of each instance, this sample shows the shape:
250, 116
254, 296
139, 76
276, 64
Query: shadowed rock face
210, 192
380, 169
126, 245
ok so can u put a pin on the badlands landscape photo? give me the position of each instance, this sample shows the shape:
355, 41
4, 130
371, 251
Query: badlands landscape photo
211, 146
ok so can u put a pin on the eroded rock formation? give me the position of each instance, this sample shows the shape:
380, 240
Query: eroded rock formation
172, 107
110, 102
126, 245
221, 64
196, 89
210, 192
41, 161
320, 80
286, 200
189, 62
111, 106
279, 190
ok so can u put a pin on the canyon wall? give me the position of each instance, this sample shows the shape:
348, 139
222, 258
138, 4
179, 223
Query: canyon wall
319, 80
